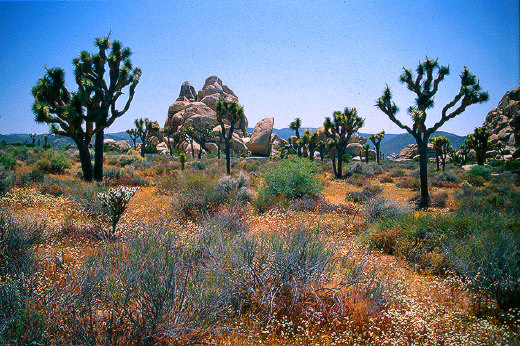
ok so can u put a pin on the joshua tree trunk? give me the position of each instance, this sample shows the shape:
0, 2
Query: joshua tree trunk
437, 160
86, 164
143, 147
228, 156
378, 153
424, 201
339, 168
98, 156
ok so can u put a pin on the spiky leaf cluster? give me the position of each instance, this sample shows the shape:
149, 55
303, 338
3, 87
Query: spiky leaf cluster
342, 125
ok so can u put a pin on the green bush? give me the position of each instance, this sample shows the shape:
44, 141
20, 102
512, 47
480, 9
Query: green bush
7, 161
292, 178
51, 162
512, 165
480, 171
5, 180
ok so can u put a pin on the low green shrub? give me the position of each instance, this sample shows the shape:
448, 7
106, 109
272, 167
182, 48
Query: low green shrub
292, 178
7, 161
50, 162
480, 171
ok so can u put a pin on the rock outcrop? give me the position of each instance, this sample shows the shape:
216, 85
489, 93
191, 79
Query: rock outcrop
411, 151
504, 120
120, 145
260, 142
194, 109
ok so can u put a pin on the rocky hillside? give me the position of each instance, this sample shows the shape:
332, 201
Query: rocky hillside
504, 120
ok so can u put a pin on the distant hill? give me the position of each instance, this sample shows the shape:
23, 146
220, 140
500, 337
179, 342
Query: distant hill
57, 141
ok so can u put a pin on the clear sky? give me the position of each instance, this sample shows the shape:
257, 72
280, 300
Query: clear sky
283, 59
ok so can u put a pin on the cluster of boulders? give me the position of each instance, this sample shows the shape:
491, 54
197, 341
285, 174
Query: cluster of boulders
504, 120
411, 152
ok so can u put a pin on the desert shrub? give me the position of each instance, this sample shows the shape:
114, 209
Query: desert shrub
511, 165
445, 179
125, 176
412, 183
233, 189
480, 171
490, 261
286, 182
198, 165
115, 202
5, 180
7, 161
439, 200
368, 192
196, 195
397, 173
34, 176
292, 178
51, 162
386, 179
380, 208
130, 158
20, 314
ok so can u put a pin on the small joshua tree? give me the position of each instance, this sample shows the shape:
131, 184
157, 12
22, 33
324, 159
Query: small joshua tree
425, 85
182, 159
296, 125
479, 141
201, 136
133, 134
340, 128
144, 129
320, 146
366, 151
115, 202
442, 146
376, 140
33, 138
231, 112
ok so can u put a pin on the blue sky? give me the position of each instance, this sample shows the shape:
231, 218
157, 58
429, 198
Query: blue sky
283, 59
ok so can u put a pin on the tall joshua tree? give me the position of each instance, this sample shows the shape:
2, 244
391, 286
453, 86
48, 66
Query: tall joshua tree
296, 125
64, 112
201, 136
93, 107
479, 141
341, 127
231, 112
100, 91
425, 85
376, 139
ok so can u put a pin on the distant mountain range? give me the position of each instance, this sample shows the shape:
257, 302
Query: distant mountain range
391, 143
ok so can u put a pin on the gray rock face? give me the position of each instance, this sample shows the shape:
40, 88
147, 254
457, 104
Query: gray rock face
121, 145
354, 149
260, 142
411, 152
187, 92
504, 120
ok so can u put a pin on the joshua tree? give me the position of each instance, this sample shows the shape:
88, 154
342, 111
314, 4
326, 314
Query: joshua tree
64, 112
479, 141
133, 134
144, 128
87, 112
376, 140
201, 136
310, 143
233, 113
366, 151
320, 146
33, 138
442, 148
296, 125
45, 140
331, 147
182, 159
100, 94
341, 129
425, 86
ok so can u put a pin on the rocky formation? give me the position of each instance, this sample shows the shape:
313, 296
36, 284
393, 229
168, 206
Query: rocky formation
504, 120
260, 142
120, 145
194, 110
411, 151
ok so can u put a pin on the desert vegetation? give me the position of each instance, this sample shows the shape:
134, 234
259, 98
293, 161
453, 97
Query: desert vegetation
267, 250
